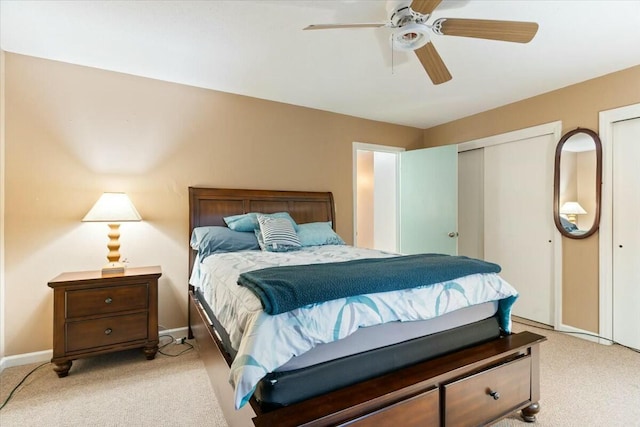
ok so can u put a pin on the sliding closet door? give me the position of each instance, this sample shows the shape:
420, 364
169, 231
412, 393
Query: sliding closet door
626, 232
518, 232
471, 203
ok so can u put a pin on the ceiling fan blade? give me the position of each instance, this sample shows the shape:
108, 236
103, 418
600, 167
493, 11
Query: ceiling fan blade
508, 31
433, 64
338, 26
425, 7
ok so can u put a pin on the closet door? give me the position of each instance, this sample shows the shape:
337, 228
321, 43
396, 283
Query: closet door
626, 232
518, 232
471, 203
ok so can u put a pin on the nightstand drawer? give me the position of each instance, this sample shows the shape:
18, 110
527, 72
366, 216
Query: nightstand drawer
487, 395
112, 299
106, 331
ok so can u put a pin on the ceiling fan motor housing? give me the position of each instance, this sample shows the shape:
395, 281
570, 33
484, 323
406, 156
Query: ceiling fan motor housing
410, 31
410, 37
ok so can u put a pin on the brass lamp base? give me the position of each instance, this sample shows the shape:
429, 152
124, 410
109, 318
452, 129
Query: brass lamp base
114, 266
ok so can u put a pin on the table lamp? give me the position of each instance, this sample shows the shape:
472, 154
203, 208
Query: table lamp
113, 208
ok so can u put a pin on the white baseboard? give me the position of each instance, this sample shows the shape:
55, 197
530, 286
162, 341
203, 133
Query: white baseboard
46, 355
581, 333
176, 333
25, 359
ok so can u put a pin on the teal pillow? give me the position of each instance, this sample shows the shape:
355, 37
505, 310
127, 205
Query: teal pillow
318, 233
210, 240
249, 221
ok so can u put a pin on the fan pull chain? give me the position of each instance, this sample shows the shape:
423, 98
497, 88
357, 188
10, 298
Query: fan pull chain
392, 70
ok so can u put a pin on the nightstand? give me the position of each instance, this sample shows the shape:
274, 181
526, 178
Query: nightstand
96, 314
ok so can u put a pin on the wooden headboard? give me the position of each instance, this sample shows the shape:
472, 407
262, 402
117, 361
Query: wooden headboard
208, 206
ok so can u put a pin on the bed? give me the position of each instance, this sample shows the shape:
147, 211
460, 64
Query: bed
473, 373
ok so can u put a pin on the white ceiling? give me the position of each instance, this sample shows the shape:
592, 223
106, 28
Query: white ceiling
258, 48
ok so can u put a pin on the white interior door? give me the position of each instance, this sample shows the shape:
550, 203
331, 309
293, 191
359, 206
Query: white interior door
429, 200
518, 231
626, 232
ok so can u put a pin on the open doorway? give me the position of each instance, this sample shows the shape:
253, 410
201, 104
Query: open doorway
375, 191
405, 201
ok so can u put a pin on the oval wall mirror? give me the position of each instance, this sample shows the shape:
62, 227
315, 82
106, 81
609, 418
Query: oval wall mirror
577, 183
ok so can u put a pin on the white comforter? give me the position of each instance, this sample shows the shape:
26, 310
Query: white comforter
265, 342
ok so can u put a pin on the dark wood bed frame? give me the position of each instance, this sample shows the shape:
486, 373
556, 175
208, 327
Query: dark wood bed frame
473, 386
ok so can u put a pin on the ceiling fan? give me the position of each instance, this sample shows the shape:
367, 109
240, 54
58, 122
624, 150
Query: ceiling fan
410, 31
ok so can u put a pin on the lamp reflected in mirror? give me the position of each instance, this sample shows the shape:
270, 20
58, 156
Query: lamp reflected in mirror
571, 209
577, 182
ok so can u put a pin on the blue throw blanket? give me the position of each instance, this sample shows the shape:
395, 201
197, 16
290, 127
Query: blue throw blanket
283, 289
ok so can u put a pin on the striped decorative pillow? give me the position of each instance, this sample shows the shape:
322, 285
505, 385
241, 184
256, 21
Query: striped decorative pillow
277, 234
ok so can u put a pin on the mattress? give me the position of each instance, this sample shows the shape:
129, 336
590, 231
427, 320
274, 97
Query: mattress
370, 338
283, 388
369, 352
262, 344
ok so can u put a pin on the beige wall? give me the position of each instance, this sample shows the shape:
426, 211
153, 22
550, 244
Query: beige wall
2, 180
364, 194
576, 106
74, 132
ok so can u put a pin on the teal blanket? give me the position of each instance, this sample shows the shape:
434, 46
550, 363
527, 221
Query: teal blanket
286, 288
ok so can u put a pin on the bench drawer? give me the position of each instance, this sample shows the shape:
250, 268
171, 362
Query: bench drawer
488, 395
420, 410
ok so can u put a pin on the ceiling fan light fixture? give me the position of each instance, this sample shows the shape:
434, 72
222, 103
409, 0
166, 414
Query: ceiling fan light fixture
410, 37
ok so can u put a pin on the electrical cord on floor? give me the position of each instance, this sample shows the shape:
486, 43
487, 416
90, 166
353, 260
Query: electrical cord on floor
547, 328
173, 341
20, 383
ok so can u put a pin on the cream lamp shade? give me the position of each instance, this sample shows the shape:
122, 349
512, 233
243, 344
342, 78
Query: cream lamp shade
113, 208
571, 209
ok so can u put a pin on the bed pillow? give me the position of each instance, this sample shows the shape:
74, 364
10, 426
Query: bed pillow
276, 234
209, 240
318, 233
249, 221
568, 225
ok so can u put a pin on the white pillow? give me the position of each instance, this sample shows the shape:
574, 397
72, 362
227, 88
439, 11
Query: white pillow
277, 234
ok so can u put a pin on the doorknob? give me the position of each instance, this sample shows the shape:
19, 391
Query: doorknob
453, 234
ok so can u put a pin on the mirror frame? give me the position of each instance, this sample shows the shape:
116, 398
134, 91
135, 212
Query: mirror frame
556, 184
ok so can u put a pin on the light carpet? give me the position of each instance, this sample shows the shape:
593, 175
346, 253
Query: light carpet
582, 384
119, 389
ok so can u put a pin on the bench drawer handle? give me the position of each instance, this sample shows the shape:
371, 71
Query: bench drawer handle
494, 394
109, 330
108, 300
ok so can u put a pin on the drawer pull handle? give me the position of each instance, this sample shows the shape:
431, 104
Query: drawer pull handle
109, 330
108, 300
494, 394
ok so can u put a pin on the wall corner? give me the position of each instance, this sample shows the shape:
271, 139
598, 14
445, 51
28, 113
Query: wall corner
2, 192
